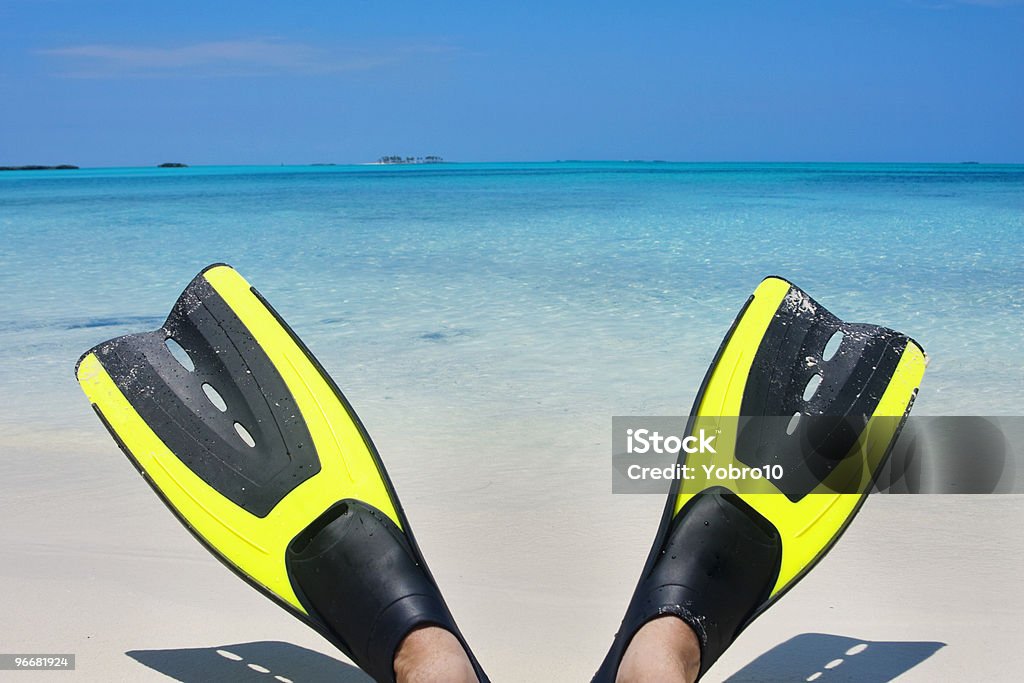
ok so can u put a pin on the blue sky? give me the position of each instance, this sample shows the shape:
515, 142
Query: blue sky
137, 83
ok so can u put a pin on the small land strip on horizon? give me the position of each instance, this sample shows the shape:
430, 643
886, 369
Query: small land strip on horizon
35, 167
396, 159
72, 167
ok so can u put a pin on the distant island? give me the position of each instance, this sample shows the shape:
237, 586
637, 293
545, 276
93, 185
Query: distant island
62, 167
172, 164
410, 160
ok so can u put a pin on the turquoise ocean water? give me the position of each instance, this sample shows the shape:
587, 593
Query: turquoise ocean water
480, 304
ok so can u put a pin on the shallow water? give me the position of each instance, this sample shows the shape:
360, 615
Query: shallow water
510, 298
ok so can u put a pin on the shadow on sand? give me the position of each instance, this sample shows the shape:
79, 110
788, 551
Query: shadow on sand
827, 658
266, 662
808, 657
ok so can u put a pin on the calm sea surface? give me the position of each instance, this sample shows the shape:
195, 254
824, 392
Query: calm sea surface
496, 300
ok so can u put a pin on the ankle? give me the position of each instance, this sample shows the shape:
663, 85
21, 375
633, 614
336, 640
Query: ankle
432, 655
664, 649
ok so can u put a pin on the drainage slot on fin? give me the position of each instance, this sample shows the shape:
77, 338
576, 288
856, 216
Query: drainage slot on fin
793, 422
811, 387
244, 434
180, 354
832, 346
215, 398
306, 536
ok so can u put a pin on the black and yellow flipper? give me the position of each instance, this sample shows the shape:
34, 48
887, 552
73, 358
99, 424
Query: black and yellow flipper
249, 442
793, 391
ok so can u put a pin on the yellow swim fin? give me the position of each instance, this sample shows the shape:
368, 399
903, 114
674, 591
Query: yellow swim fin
807, 408
249, 442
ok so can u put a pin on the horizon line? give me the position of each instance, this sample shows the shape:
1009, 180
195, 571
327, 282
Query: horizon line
327, 164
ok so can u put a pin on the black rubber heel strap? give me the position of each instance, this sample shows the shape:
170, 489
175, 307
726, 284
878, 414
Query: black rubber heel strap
356, 573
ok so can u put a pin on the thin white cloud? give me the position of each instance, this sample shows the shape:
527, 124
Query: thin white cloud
260, 57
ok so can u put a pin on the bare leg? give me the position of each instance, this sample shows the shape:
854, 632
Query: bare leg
664, 650
432, 655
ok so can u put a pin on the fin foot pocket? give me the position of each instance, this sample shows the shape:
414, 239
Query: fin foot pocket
354, 571
716, 567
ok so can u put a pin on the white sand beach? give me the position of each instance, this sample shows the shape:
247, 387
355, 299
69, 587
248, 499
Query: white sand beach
536, 571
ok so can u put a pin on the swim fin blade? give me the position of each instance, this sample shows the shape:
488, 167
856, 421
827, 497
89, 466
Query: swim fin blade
813, 405
244, 436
